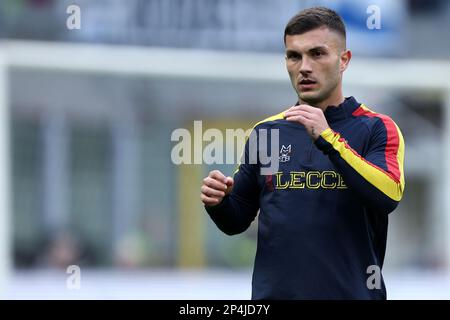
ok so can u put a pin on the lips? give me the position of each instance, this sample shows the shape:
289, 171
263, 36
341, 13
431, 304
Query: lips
307, 81
307, 84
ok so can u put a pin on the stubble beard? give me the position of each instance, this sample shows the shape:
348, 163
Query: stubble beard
318, 97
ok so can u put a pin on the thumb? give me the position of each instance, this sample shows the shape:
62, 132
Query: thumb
230, 183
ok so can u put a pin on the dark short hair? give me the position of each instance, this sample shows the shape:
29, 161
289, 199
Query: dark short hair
313, 18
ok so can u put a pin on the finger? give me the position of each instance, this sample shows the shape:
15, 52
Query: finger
308, 108
208, 200
214, 184
290, 108
302, 107
294, 107
311, 110
210, 192
303, 113
297, 117
216, 174
290, 114
230, 181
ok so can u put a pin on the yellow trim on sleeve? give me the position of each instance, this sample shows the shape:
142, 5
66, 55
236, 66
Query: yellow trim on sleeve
372, 174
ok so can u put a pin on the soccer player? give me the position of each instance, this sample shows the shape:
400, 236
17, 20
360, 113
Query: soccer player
323, 215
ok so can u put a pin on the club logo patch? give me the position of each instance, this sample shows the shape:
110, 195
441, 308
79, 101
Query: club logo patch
285, 153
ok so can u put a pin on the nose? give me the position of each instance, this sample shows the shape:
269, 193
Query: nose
305, 67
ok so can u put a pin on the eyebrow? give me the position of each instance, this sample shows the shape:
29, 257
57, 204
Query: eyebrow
290, 51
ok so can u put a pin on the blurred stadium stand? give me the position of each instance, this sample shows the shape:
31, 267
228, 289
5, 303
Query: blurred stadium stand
90, 113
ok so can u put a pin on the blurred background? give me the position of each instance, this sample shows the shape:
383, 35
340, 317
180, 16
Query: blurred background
87, 114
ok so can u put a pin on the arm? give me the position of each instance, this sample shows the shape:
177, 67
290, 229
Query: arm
378, 177
234, 212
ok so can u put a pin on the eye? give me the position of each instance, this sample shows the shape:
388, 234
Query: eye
293, 56
317, 54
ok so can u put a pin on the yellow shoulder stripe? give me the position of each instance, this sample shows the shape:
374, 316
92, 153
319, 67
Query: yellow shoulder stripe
271, 118
278, 116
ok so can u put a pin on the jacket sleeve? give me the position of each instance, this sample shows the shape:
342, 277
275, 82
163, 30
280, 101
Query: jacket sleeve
378, 176
238, 209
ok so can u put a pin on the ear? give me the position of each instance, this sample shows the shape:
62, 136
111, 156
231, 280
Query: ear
346, 56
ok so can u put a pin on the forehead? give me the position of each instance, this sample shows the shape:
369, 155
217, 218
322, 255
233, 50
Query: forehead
320, 37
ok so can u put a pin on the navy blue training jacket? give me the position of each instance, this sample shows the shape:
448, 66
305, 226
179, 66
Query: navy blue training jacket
323, 215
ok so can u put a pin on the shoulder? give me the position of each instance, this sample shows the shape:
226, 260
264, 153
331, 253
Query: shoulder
374, 119
378, 123
269, 121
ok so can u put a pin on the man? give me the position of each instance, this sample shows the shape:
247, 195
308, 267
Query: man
323, 216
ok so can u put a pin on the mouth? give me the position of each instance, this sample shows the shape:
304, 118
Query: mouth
307, 84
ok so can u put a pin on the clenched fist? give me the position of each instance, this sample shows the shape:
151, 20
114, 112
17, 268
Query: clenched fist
215, 187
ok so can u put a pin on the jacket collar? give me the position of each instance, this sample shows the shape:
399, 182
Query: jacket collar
342, 111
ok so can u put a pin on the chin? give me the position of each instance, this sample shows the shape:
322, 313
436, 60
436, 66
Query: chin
310, 97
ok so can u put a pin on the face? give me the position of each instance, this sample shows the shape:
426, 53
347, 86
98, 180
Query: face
315, 61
